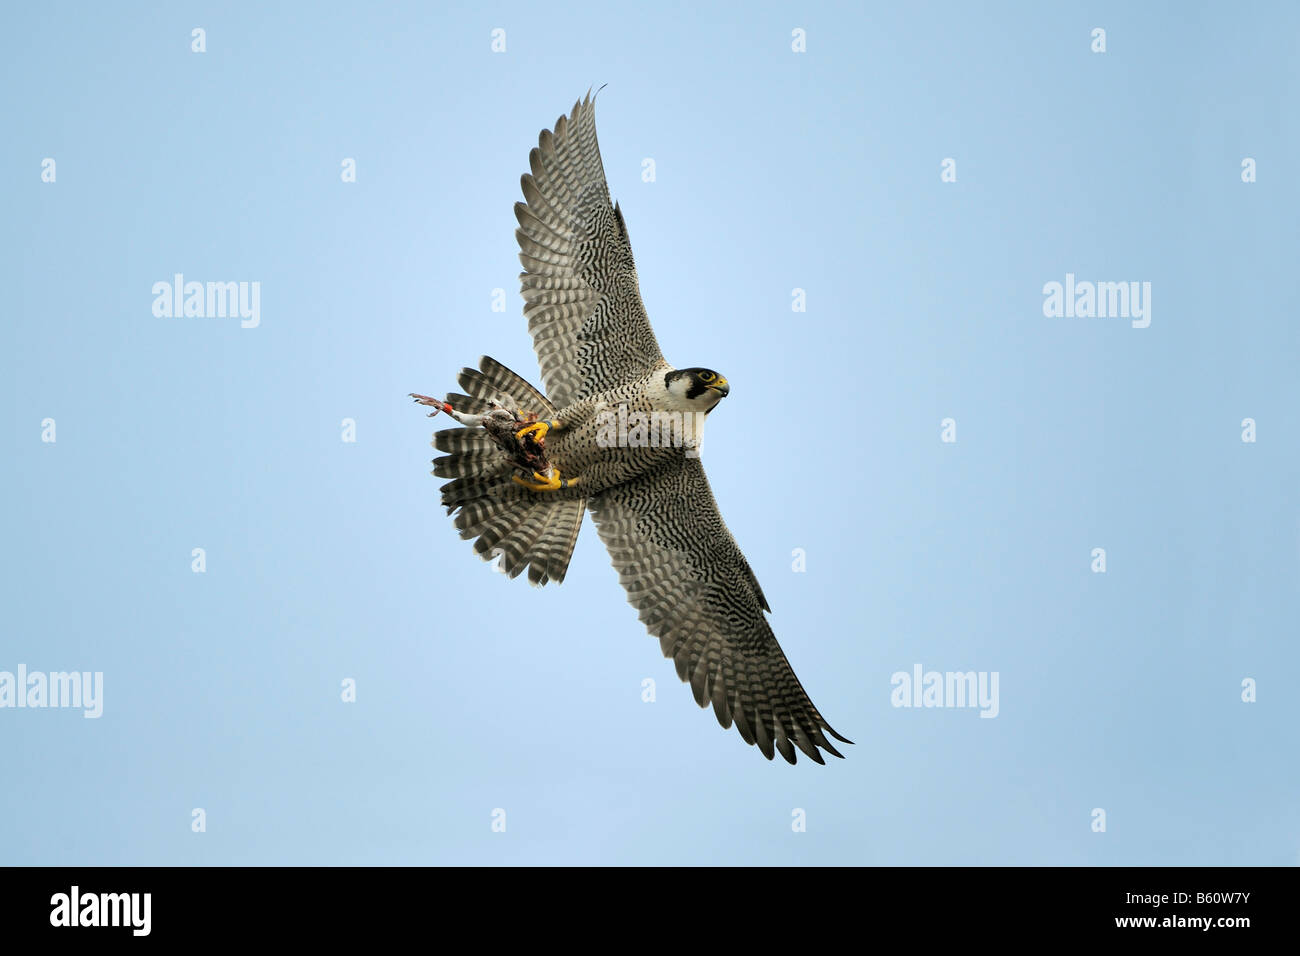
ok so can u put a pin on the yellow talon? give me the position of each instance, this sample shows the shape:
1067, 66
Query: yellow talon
537, 429
542, 483
553, 483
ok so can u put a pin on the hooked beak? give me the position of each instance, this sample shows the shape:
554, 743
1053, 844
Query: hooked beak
721, 387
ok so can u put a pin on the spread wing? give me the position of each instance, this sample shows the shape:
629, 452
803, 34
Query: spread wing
696, 592
583, 303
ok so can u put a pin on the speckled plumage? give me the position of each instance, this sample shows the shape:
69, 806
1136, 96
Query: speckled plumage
652, 506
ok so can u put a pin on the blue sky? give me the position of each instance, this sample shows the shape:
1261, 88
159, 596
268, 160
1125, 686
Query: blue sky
774, 171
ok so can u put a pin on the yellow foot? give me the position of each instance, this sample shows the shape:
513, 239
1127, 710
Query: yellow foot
537, 429
542, 483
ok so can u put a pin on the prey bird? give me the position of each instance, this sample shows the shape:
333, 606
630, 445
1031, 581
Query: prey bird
525, 466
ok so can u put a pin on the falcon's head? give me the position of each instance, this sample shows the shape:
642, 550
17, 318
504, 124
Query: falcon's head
697, 388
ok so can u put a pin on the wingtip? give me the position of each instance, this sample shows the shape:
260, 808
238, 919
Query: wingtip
588, 101
830, 749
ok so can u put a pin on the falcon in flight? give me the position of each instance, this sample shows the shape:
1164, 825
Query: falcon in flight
616, 434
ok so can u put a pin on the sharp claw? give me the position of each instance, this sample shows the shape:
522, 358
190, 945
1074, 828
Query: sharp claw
542, 483
537, 429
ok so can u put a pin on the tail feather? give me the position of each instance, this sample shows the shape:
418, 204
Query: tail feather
491, 479
516, 546
474, 516
493, 380
462, 441
555, 545
468, 464
529, 530
497, 527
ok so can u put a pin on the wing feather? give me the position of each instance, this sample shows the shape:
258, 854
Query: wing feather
695, 591
580, 288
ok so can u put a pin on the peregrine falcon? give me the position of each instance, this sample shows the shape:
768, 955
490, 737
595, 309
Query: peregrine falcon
616, 433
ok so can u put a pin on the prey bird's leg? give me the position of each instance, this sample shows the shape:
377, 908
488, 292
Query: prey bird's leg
436, 404
439, 406
470, 420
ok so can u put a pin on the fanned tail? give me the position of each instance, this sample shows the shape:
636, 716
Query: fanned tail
528, 530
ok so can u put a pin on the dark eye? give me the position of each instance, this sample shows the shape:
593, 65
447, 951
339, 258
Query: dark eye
707, 376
